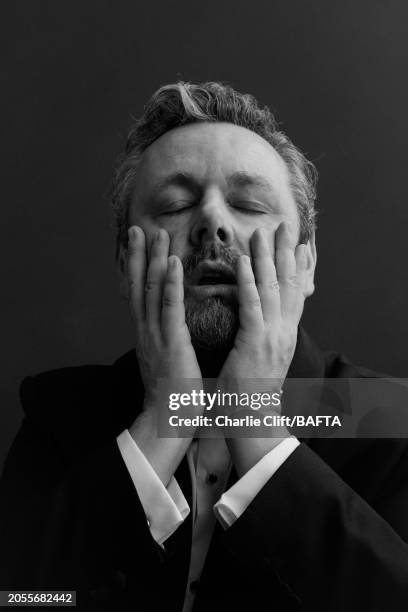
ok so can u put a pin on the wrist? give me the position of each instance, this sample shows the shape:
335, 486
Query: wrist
246, 452
164, 454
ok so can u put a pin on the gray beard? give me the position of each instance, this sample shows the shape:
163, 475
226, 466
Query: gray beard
213, 323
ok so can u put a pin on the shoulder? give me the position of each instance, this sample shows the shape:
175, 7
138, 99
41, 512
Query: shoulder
65, 385
373, 439
77, 402
338, 365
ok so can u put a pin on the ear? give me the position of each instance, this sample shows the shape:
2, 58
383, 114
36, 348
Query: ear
122, 272
311, 260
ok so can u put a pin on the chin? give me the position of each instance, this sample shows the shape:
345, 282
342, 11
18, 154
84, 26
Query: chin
212, 322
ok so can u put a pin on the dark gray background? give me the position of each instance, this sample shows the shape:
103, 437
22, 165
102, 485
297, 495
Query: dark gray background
74, 72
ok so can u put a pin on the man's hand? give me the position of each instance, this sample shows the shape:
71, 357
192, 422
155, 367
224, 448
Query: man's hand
163, 344
271, 300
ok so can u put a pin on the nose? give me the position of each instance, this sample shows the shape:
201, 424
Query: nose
213, 224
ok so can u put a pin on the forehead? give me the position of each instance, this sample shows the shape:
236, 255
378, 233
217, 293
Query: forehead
211, 152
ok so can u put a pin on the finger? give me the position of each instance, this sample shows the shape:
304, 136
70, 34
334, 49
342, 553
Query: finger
136, 272
301, 268
285, 242
173, 314
250, 309
265, 276
156, 273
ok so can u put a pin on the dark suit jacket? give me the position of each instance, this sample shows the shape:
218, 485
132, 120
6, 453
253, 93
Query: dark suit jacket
328, 531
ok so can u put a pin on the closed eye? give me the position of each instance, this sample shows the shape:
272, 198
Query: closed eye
178, 208
250, 211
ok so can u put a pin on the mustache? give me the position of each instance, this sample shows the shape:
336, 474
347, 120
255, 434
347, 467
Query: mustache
208, 252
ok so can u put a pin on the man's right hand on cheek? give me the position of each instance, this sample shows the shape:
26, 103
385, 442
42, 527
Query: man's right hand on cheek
163, 345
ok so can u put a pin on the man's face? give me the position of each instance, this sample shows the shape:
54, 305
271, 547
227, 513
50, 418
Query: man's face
211, 185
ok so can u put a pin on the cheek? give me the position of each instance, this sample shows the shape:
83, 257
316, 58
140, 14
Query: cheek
245, 230
150, 226
178, 243
271, 224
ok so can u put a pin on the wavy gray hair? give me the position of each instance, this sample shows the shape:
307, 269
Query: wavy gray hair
182, 103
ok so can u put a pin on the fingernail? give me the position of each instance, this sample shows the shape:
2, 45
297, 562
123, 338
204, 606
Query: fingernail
158, 236
133, 233
246, 260
172, 261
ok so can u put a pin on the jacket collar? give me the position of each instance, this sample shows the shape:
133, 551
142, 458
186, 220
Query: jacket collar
308, 360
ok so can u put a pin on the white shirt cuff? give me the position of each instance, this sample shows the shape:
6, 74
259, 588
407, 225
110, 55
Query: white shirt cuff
236, 500
165, 508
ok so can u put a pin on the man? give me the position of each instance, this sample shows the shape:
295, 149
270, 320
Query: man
215, 214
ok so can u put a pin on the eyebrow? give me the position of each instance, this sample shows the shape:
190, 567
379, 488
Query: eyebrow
247, 179
237, 179
177, 179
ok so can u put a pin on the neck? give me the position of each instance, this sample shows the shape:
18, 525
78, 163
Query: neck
211, 361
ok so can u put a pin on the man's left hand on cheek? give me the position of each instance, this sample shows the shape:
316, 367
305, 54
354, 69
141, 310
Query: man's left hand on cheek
271, 299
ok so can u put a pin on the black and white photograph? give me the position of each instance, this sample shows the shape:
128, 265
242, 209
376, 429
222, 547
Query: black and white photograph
204, 390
